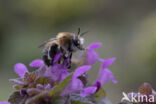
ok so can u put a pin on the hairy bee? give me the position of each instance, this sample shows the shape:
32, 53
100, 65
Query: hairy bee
65, 43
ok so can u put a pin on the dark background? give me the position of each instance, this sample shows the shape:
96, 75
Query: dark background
127, 29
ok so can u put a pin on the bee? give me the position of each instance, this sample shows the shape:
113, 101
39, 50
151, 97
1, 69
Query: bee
65, 43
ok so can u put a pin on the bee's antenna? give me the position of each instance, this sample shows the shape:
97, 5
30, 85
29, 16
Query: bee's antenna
78, 31
84, 33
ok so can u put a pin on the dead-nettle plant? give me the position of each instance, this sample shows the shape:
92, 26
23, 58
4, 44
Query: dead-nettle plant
58, 85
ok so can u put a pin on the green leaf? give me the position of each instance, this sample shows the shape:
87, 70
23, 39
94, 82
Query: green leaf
77, 102
99, 94
18, 87
42, 81
55, 91
35, 98
16, 98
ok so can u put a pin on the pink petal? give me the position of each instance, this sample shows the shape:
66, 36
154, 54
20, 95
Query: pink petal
94, 46
74, 85
57, 57
108, 62
5, 102
36, 63
77, 84
106, 75
101, 60
63, 75
91, 58
81, 70
87, 91
20, 69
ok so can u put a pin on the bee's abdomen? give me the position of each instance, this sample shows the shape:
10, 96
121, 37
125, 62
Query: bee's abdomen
53, 50
47, 61
49, 54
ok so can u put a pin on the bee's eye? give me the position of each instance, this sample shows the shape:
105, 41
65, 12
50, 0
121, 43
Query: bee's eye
76, 42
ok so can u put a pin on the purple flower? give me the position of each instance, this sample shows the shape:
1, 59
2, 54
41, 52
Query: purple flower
94, 46
57, 72
76, 84
108, 62
105, 75
91, 55
98, 85
39, 86
36, 63
5, 102
80, 70
20, 69
87, 91
57, 57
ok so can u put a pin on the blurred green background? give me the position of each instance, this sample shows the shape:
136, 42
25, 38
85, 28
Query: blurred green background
127, 29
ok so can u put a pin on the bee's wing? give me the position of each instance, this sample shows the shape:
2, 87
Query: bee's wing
44, 43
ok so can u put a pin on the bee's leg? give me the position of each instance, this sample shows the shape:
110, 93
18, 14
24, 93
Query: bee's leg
70, 55
61, 51
69, 63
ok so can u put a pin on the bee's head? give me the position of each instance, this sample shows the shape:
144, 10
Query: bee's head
78, 40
